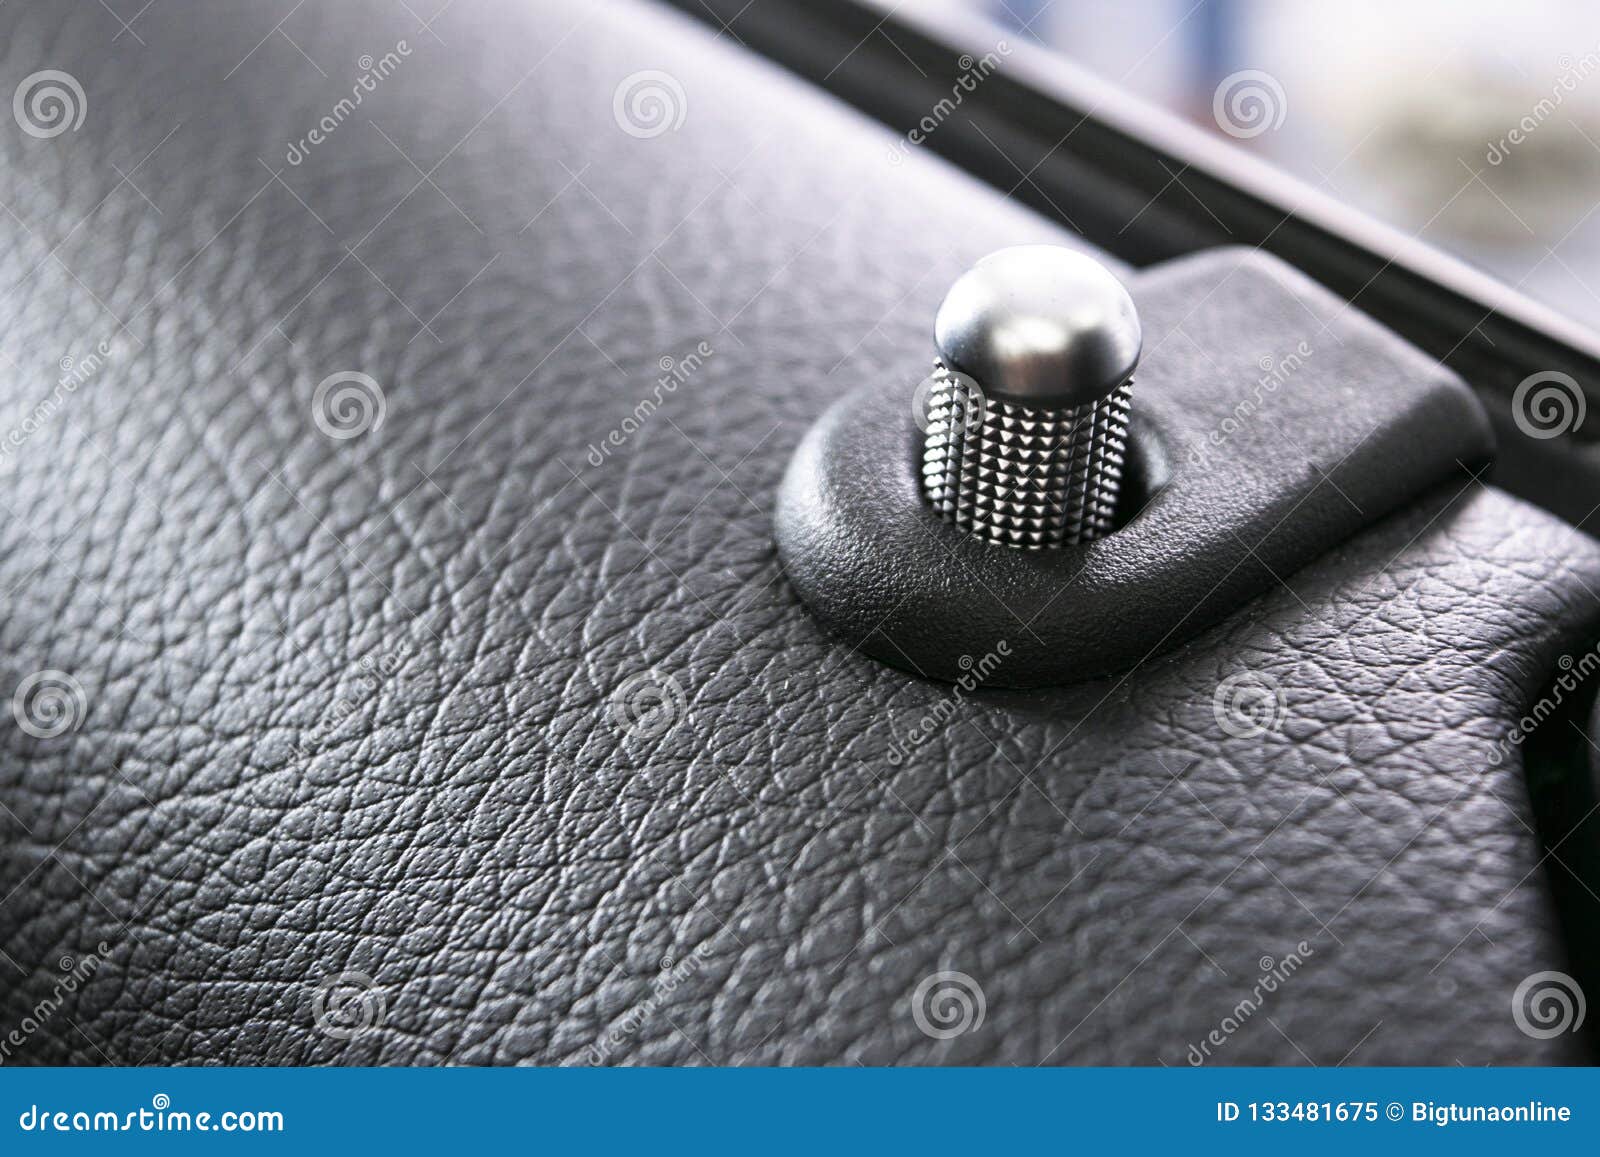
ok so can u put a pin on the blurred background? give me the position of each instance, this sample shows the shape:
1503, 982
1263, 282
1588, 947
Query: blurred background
1472, 124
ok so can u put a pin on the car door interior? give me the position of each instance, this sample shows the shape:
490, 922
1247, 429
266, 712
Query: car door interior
476, 551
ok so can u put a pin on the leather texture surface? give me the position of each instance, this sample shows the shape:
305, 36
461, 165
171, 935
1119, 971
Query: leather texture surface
493, 733
1254, 451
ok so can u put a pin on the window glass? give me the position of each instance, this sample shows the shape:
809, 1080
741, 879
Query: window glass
1472, 124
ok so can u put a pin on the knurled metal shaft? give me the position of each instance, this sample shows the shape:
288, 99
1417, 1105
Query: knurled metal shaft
1027, 418
1023, 476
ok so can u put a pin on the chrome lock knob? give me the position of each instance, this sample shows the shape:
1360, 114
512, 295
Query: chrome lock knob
1029, 401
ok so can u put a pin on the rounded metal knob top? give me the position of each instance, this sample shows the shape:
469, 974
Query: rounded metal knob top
1040, 325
